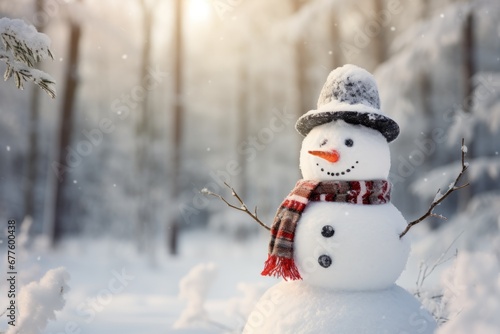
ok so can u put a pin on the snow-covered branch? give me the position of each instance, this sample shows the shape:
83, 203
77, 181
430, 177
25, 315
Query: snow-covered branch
440, 197
243, 207
21, 47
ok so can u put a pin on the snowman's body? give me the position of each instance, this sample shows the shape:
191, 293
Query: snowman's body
348, 255
365, 251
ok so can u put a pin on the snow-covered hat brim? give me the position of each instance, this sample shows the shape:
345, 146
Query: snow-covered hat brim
369, 118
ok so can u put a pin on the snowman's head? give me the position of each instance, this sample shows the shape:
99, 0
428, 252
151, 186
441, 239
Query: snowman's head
341, 151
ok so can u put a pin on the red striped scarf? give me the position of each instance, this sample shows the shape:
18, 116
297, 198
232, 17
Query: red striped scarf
280, 261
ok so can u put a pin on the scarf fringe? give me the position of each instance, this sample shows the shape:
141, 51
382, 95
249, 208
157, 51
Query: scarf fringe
281, 267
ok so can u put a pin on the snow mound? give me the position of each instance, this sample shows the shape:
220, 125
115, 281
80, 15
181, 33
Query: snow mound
193, 289
295, 307
38, 302
472, 292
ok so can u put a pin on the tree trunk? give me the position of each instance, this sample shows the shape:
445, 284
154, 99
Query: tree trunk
30, 190
468, 72
66, 129
379, 41
144, 223
173, 228
468, 67
300, 78
425, 83
335, 39
242, 123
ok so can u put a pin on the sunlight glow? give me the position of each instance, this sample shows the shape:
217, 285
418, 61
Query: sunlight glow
198, 10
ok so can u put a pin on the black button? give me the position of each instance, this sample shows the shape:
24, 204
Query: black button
325, 261
327, 231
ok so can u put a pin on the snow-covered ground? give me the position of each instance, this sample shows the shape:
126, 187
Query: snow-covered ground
113, 289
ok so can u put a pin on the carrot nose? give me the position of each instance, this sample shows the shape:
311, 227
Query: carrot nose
331, 156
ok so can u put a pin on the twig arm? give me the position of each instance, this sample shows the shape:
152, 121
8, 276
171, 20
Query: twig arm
438, 199
243, 207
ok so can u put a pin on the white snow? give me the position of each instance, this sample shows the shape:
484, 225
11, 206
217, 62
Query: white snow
38, 302
146, 299
438, 195
354, 75
251, 293
342, 74
472, 293
193, 290
284, 307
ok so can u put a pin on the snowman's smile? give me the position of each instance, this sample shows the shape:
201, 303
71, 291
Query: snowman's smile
332, 156
337, 173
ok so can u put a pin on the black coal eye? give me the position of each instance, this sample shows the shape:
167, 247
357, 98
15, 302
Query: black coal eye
323, 142
349, 142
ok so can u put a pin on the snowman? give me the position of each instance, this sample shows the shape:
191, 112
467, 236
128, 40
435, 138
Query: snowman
335, 238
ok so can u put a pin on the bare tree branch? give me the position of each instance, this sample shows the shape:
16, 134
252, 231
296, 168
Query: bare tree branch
438, 199
242, 208
425, 271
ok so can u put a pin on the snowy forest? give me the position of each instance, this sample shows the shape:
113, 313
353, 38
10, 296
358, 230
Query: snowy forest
155, 100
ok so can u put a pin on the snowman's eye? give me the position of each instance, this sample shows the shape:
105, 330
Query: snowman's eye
349, 142
323, 142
